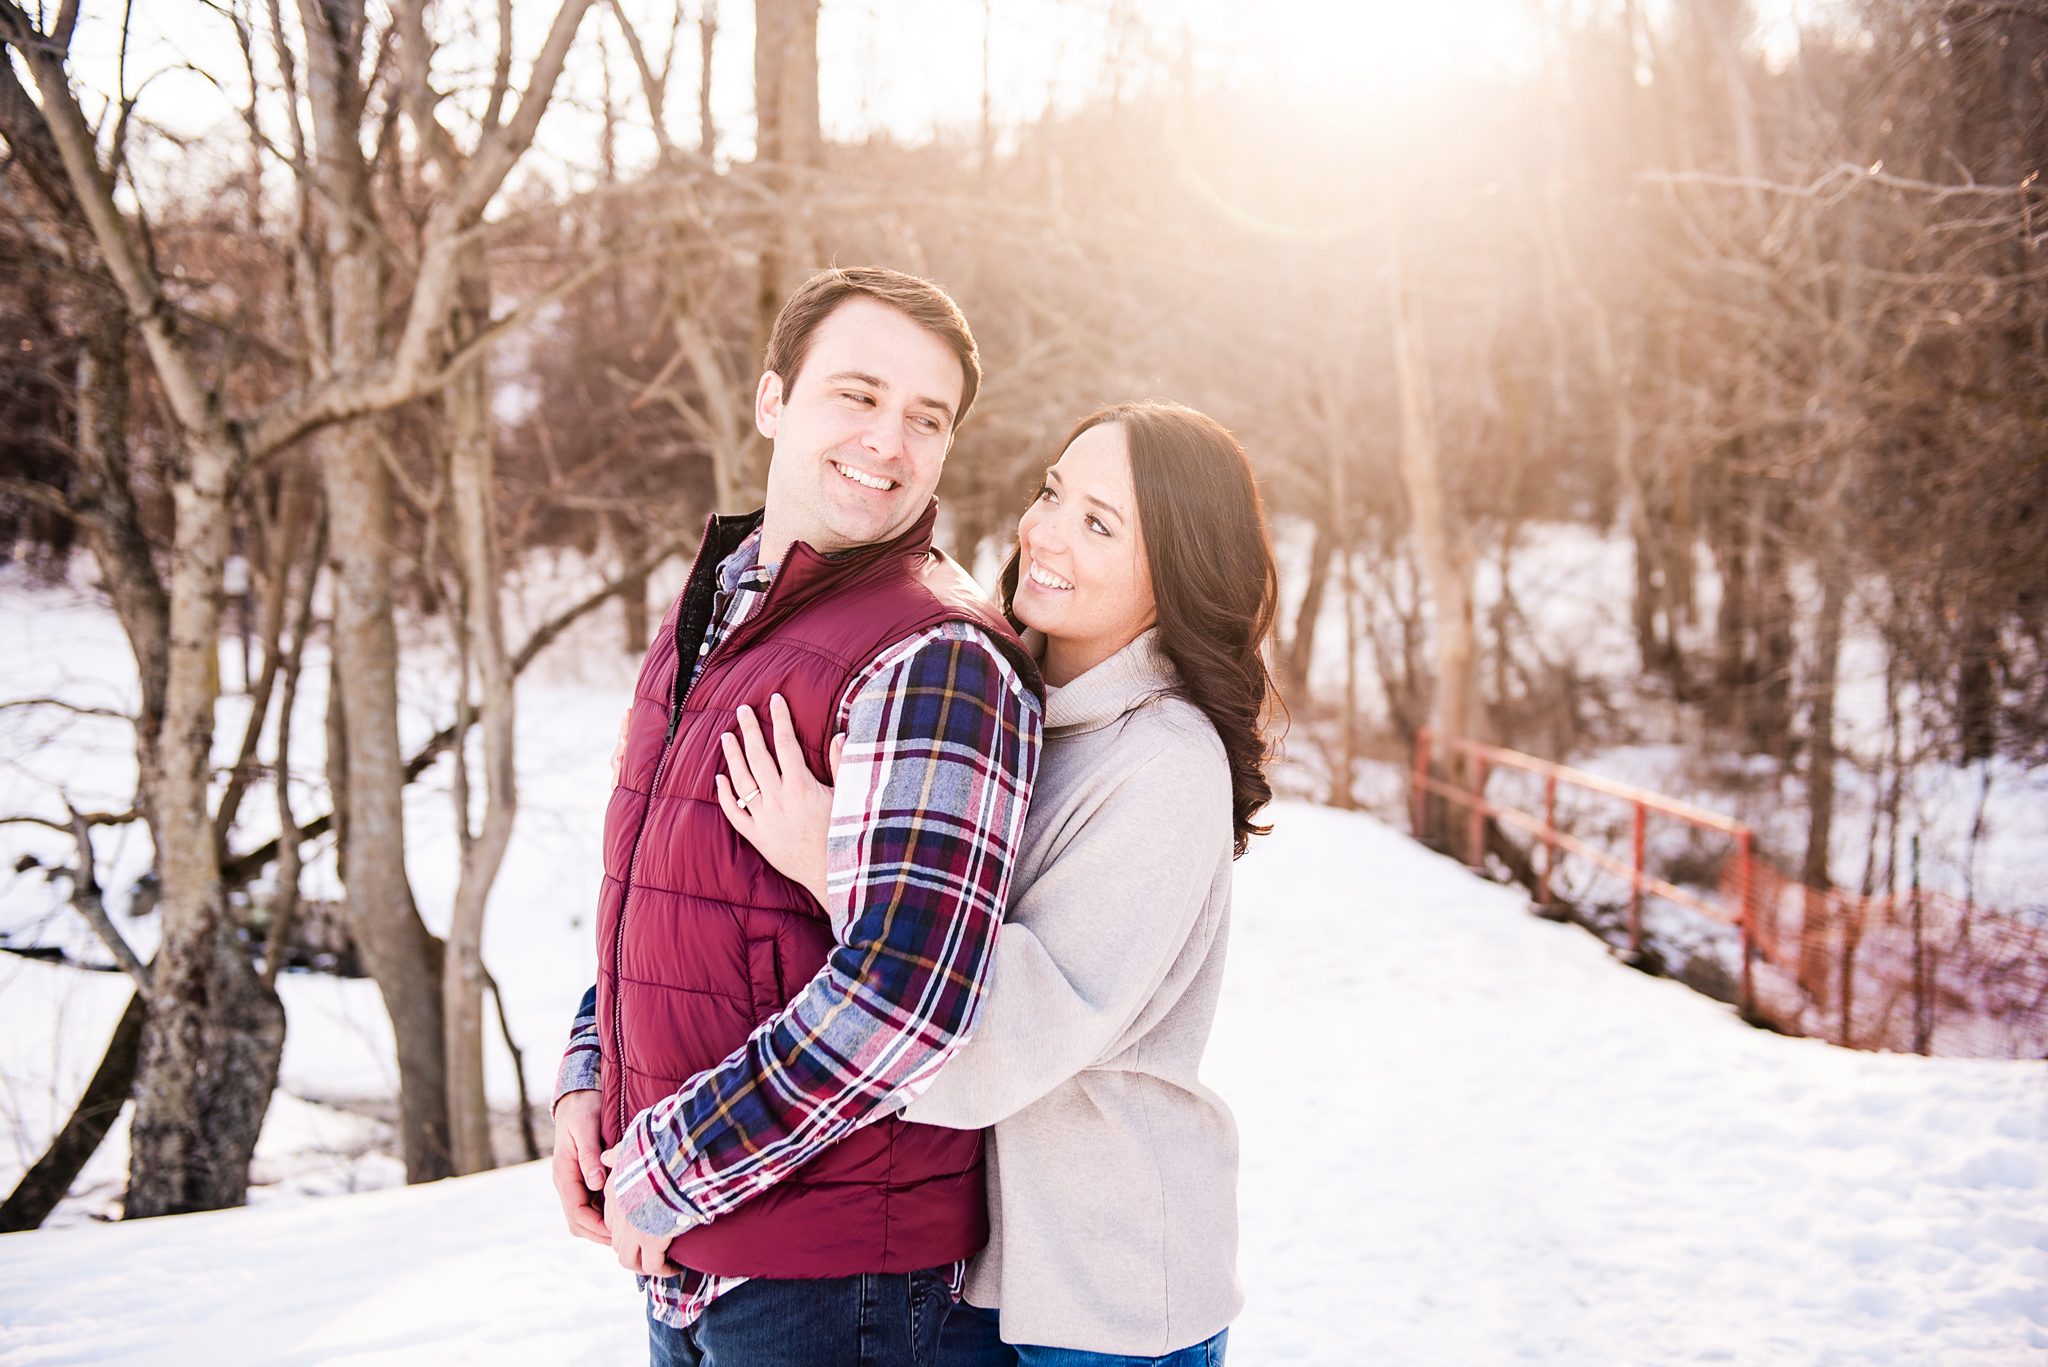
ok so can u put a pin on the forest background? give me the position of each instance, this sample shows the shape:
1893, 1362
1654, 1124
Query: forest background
438, 298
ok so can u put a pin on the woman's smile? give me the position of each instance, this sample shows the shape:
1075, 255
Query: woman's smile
1045, 578
1086, 582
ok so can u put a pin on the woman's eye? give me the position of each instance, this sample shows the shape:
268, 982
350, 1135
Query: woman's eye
1097, 525
1045, 495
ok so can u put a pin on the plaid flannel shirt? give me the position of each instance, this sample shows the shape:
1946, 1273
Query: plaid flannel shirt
942, 741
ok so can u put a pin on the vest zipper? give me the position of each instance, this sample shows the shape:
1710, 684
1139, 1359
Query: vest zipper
675, 718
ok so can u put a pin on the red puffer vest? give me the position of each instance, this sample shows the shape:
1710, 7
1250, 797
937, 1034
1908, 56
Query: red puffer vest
699, 940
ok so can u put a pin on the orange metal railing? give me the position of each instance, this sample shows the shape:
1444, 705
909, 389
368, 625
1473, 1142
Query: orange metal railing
1914, 971
1739, 914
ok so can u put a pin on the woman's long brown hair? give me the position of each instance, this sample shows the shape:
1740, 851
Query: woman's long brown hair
1213, 578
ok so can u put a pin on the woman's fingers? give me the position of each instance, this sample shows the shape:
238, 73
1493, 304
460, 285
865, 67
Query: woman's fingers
743, 781
789, 756
728, 801
759, 760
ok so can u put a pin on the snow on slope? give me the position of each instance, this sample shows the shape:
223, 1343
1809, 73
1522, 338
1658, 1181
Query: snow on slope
1470, 1138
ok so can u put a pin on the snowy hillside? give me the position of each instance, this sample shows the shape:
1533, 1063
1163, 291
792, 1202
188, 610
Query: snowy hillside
1469, 1138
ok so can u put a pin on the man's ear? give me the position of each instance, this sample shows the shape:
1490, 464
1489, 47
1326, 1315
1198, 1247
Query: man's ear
767, 403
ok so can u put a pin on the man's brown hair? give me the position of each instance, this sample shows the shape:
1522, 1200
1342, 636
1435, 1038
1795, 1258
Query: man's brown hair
930, 307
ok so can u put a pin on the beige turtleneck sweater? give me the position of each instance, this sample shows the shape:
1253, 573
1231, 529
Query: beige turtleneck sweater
1112, 1170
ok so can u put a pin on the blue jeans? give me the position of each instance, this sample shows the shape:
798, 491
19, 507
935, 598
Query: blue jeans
876, 1319
973, 1339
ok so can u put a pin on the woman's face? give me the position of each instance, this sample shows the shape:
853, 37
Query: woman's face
1082, 578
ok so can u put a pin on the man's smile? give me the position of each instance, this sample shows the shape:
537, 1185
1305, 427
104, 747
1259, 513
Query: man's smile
865, 480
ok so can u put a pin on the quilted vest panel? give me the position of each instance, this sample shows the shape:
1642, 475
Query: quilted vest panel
700, 941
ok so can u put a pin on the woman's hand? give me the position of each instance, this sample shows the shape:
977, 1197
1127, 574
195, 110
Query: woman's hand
772, 800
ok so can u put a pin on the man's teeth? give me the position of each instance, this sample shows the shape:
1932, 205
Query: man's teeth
866, 481
1040, 575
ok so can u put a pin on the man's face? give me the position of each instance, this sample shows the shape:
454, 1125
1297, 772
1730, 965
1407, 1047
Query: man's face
861, 434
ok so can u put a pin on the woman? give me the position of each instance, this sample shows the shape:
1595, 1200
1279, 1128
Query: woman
1144, 582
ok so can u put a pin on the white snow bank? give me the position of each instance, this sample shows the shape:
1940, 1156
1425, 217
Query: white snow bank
475, 1271
1469, 1138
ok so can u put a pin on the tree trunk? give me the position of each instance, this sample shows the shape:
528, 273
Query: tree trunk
400, 954
1446, 552
1731, 617
631, 539
787, 141
396, 947
213, 1034
1301, 645
470, 486
216, 1032
114, 530
707, 41
1815, 950
1770, 703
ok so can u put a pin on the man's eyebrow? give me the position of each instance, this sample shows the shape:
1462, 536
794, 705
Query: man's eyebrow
877, 382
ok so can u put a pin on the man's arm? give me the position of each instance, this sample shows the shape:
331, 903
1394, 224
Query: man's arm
577, 1171
942, 745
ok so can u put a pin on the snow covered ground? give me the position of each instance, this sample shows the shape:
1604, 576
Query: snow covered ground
1470, 1137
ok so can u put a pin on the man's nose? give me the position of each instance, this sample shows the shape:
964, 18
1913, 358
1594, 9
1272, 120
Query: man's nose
884, 434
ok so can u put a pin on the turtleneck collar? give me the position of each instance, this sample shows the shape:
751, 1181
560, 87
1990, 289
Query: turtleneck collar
1124, 681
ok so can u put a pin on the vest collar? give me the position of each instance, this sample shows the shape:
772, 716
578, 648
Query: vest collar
805, 573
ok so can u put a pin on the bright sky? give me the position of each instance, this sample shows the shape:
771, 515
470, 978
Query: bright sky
911, 68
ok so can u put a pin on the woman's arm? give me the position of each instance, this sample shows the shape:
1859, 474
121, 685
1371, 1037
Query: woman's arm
1084, 950
786, 813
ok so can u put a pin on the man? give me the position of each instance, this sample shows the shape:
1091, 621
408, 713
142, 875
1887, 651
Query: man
732, 1082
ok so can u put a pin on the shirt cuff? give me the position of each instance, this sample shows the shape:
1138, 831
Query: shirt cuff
646, 1192
580, 1072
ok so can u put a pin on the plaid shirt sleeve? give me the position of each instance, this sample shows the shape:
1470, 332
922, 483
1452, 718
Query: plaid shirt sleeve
928, 815
580, 1070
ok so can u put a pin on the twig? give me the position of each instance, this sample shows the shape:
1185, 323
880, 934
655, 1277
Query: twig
89, 818
518, 1071
1834, 181
68, 707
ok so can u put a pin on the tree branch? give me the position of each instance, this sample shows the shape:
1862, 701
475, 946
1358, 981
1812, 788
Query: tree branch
243, 869
187, 392
41, 493
86, 897
310, 407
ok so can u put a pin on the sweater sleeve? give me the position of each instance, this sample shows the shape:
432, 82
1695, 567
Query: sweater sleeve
1086, 947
